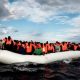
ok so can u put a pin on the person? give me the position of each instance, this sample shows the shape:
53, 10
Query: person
14, 47
50, 48
44, 48
4, 43
57, 47
22, 49
75, 47
69, 45
38, 51
28, 48
0, 44
9, 43
64, 46
18, 44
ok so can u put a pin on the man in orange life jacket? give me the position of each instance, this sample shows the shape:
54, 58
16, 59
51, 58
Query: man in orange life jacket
64, 46
9, 43
28, 48
50, 48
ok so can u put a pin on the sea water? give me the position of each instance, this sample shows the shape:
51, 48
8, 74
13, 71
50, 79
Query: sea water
33, 71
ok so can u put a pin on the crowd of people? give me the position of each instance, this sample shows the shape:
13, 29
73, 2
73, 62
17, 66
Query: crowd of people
36, 48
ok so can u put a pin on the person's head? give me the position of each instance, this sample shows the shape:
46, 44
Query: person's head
5, 37
29, 43
0, 40
63, 43
26, 43
23, 45
46, 42
50, 44
9, 37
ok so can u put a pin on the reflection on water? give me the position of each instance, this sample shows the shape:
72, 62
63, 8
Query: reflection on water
55, 71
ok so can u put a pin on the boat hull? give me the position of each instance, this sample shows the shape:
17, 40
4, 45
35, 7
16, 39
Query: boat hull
8, 57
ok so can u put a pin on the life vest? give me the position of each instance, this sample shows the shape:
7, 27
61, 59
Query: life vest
8, 42
50, 48
64, 47
28, 49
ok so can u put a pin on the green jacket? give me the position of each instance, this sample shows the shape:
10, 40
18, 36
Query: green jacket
38, 51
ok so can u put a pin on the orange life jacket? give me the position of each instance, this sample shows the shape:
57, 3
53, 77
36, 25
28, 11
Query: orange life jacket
50, 47
64, 47
8, 42
28, 49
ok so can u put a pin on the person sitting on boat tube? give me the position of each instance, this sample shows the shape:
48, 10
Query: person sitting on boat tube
38, 50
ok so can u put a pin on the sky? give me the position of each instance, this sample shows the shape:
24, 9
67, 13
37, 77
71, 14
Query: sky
40, 20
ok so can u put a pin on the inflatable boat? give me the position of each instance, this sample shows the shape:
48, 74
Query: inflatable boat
8, 57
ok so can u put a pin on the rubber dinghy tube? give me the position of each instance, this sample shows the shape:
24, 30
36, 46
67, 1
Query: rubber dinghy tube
8, 57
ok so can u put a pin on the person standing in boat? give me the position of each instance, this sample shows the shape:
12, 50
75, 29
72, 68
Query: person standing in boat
9, 43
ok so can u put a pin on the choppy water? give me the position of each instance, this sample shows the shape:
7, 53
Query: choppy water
30, 71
